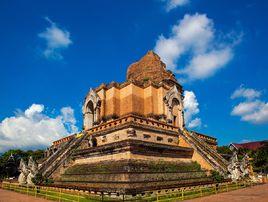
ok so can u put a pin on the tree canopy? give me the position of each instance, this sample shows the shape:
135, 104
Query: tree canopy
10, 160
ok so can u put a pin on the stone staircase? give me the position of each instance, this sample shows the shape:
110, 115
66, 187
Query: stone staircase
211, 155
60, 156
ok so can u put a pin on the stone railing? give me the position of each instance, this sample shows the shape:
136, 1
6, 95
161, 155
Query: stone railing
54, 156
210, 150
54, 161
201, 151
206, 151
121, 121
206, 138
65, 139
133, 119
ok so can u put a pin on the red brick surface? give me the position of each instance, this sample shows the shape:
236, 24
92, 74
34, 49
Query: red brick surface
150, 67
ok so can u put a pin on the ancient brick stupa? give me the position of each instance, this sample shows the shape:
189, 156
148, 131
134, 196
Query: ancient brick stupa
134, 138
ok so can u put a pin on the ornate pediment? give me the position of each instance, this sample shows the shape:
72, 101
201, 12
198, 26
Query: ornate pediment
94, 98
171, 94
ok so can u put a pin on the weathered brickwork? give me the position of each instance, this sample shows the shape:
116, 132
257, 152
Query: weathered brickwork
149, 68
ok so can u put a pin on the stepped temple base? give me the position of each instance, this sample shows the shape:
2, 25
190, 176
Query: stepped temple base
132, 166
132, 176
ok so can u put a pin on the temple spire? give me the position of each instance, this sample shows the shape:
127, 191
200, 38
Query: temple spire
149, 67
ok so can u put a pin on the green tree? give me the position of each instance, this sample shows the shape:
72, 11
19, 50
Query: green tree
260, 159
9, 168
224, 150
216, 176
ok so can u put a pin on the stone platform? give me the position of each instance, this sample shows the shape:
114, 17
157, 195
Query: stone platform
132, 148
139, 166
132, 176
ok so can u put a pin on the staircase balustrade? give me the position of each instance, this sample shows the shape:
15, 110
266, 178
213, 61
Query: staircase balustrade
59, 157
206, 151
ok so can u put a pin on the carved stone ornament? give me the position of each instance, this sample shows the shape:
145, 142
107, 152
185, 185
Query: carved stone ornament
91, 109
23, 173
92, 96
27, 172
173, 101
245, 166
170, 95
234, 168
32, 166
131, 132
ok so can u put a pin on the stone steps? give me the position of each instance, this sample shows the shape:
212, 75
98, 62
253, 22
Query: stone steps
54, 156
219, 158
60, 157
214, 159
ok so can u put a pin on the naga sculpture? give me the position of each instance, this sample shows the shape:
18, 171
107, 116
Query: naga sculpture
239, 169
245, 166
234, 168
33, 169
23, 173
27, 172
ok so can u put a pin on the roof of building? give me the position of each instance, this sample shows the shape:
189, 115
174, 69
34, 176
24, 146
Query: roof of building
250, 145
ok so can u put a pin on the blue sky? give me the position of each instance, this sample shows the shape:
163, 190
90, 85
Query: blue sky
52, 52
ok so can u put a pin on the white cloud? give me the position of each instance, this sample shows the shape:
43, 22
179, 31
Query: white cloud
33, 128
56, 40
195, 123
244, 108
34, 109
248, 93
191, 109
205, 65
171, 4
259, 116
252, 111
68, 118
194, 38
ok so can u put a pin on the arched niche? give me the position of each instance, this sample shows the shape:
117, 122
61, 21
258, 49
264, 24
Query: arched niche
174, 107
91, 109
89, 114
175, 111
94, 142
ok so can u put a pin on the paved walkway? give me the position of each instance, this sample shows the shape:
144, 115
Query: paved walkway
257, 193
11, 196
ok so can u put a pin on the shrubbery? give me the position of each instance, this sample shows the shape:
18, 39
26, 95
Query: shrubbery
134, 166
39, 179
216, 176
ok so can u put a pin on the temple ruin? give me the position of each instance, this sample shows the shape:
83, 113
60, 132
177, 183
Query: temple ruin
134, 138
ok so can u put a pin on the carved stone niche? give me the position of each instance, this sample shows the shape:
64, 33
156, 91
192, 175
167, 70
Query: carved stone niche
104, 138
131, 132
174, 107
91, 109
86, 143
90, 141
116, 137
170, 140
